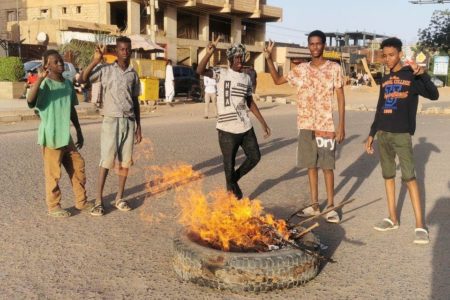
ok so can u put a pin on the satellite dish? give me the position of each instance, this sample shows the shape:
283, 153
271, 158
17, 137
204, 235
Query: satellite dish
41, 37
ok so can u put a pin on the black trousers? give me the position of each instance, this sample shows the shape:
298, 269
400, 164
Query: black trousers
229, 145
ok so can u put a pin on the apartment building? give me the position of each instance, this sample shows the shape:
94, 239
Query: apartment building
183, 27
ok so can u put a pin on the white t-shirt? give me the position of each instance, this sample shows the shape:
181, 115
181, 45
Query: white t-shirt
210, 85
233, 88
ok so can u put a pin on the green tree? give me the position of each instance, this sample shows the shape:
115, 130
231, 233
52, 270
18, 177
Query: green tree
437, 35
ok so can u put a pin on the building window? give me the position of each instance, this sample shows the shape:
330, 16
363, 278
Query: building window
44, 12
11, 15
78, 9
64, 10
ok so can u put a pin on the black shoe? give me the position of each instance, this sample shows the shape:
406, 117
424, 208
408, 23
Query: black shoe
236, 191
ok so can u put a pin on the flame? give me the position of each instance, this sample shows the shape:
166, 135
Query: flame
163, 178
142, 152
226, 222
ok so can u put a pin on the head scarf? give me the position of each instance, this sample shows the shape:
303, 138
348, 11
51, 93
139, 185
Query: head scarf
236, 50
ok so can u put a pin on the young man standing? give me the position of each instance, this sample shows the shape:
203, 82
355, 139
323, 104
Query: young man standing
235, 129
121, 126
394, 124
316, 82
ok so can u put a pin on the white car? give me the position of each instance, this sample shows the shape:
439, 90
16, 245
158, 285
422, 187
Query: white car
34, 65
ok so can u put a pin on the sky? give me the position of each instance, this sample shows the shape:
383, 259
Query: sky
398, 18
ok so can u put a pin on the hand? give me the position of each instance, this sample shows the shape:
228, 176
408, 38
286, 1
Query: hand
80, 140
98, 54
369, 146
138, 135
340, 135
268, 49
417, 70
267, 131
42, 73
213, 45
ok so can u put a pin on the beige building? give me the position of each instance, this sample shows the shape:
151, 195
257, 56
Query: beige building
183, 27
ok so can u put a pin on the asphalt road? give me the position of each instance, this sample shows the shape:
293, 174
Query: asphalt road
128, 255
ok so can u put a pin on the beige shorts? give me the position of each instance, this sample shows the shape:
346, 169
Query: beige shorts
117, 140
315, 152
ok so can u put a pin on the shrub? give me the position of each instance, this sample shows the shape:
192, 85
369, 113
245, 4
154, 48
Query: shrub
11, 69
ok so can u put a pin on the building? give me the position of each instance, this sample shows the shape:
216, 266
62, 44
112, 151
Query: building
183, 27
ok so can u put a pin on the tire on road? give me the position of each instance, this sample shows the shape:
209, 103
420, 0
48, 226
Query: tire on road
254, 272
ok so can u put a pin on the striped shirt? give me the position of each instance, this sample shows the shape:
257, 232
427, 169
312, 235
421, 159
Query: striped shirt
233, 88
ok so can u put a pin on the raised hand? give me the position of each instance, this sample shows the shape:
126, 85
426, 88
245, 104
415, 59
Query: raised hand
268, 49
213, 45
42, 72
99, 51
417, 70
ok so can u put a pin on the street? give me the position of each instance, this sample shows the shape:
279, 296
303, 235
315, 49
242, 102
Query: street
128, 255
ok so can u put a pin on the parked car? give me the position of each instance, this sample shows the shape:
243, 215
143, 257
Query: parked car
437, 82
186, 82
34, 65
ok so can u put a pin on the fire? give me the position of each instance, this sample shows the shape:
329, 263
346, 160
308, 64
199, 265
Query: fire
162, 178
227, 223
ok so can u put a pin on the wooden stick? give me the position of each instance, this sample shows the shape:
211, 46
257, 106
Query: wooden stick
298, 211
324, 212
315, 225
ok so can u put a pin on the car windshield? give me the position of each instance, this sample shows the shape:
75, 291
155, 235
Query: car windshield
30, 65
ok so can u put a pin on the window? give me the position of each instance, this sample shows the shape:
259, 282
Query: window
78, 9
44, 12
11, 15
64, 10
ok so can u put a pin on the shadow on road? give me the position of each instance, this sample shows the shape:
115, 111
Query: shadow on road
439, 217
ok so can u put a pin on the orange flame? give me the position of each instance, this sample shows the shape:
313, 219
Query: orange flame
163, 178
227, 222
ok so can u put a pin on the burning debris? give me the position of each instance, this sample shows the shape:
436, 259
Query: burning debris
163, 178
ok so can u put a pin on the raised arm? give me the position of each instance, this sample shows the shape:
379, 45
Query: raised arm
423, 84
33, 93
98, 56
277, 79
201, 68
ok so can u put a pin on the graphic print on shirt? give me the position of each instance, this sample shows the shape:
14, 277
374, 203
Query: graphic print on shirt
393, 93
227, 93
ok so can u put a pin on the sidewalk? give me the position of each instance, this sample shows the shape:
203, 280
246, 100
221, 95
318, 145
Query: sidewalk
359, 99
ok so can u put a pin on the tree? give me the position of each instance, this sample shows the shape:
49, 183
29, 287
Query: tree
437, 35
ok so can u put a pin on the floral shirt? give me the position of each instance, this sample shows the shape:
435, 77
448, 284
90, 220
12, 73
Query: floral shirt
315, 87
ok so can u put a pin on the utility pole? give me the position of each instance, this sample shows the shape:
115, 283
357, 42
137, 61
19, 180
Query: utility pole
152, 24
18, 27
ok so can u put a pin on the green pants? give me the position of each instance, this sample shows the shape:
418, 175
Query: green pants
392, 144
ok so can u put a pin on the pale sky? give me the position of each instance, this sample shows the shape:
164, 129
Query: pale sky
389, 17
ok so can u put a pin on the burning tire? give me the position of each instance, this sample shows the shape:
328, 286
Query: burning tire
256, 272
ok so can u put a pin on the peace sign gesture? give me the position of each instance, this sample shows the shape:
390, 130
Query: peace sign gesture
98, 54
268, 49
213, 45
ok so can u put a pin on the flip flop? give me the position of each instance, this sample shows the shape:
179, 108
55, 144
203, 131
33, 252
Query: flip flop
59, 213
332, 217
122, 205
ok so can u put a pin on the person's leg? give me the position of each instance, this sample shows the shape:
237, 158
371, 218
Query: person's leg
52, 171
207, 99
102, 174
313, 187
414, 194
329, 184
229, 145
75, 167
388, 168
123, 174
390, 196
252, 153
214, 103
403, 147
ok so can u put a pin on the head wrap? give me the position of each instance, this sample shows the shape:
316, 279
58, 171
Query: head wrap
236, 50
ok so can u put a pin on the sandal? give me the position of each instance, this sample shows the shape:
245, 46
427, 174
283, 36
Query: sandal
308, 212
87, 207
122, 205
332, 217
59, 213
97, 211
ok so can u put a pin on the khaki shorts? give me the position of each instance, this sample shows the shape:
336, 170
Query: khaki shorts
315, 152
117, 139
391, 144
